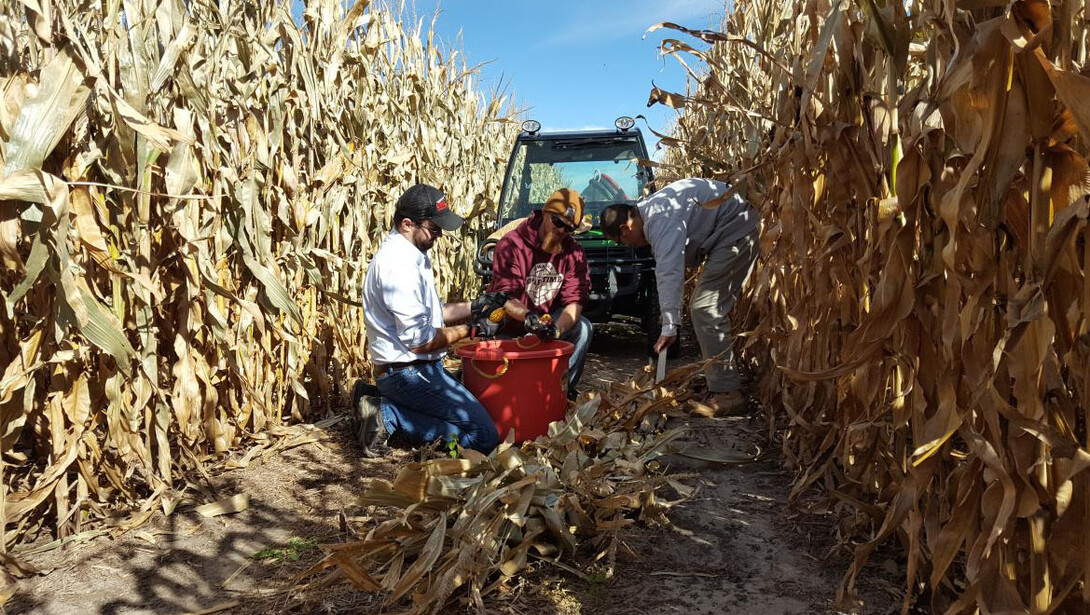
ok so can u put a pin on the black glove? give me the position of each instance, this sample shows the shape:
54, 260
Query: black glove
484, 305
484, 328
541, 325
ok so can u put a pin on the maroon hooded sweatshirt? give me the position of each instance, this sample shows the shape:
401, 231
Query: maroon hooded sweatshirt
538, 279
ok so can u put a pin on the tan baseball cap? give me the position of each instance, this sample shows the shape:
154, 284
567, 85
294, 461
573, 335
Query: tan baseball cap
567, 204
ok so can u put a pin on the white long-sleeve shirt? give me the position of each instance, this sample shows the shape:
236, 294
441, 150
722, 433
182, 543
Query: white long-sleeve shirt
682, 230
401, 306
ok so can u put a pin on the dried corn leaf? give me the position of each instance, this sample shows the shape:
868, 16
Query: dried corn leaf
226, 506
475, 520
192, 210
916, 313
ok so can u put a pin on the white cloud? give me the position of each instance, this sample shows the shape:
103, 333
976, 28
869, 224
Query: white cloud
600, 22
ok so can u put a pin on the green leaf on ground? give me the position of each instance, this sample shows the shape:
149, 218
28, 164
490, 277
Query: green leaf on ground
292, 553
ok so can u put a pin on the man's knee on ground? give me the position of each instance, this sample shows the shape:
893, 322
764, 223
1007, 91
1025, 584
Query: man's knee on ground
484, 437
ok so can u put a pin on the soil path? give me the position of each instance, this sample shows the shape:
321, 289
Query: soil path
735, 546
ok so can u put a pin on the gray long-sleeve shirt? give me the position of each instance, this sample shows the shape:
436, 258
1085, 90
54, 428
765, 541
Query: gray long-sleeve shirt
682, 227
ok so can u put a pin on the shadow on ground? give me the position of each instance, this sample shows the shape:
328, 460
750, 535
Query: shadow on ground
734, 547
185, 562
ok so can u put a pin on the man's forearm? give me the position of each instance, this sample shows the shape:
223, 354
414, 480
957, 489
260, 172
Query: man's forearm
567, 318
515, 310
670, 283
456, 312
668, 247
444, 337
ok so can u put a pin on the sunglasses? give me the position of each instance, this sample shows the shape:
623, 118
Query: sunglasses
562, 224
431, 228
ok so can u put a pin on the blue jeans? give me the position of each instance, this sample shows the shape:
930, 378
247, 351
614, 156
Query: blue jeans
579, 335
423, 403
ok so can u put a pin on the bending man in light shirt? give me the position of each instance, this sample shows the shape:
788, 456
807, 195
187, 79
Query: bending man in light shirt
408, 331
688, 223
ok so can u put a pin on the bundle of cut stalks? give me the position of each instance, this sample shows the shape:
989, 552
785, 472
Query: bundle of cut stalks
463, 528
921, 307
189, 193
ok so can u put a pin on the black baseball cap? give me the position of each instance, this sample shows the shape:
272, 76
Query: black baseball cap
424, 202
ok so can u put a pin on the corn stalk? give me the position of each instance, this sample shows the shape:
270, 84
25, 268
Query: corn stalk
919, 314
189, 194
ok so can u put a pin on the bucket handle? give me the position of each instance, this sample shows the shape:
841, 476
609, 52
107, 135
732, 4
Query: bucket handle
532, 338
499, 372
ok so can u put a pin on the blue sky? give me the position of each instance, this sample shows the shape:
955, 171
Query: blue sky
575, 64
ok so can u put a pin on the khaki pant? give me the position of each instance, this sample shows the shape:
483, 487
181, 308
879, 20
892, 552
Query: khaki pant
725, 271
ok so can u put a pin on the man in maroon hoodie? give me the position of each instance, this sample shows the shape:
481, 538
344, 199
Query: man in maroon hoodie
543, 270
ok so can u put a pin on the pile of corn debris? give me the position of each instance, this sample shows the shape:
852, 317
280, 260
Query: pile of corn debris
463, 528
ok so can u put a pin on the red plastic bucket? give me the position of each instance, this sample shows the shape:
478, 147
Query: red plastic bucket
522, 383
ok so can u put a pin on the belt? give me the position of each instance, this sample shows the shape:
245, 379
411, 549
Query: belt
386, 368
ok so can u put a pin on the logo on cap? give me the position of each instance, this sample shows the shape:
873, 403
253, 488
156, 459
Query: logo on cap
441, 205
570, 212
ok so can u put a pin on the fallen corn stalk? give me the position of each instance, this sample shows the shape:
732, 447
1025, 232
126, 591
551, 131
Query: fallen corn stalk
468, 525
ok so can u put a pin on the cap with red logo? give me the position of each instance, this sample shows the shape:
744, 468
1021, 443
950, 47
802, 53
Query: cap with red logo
424, 202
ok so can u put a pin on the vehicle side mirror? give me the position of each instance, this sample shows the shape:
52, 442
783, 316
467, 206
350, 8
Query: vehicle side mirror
485, 251
482, 264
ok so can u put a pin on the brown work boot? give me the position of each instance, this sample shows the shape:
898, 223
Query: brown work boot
726, 404
367, 420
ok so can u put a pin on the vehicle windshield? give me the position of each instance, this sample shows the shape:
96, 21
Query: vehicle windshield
603, 169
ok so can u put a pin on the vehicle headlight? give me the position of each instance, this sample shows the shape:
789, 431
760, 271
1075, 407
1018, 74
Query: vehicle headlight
624, 122
531, 126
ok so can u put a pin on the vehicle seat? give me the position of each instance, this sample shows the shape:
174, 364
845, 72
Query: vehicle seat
506, 228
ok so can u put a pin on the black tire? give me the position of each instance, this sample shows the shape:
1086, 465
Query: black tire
652, 326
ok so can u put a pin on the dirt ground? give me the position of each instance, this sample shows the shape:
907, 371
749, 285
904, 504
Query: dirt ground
735, 547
